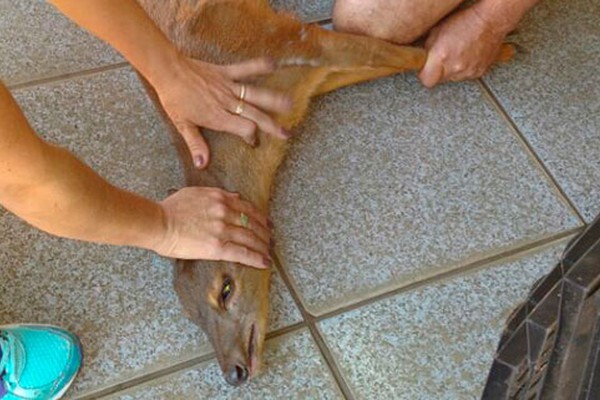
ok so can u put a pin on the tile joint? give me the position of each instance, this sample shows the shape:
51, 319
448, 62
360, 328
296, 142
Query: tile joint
490, 261
482, 263
314, 331
66, 76
170, 370
489, 93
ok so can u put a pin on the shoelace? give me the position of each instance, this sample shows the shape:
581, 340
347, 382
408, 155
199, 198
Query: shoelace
4, 352
8, 347
3, 361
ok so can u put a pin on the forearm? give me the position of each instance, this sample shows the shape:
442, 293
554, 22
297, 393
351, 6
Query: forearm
503, 15
72, 201
54, 191
125, 26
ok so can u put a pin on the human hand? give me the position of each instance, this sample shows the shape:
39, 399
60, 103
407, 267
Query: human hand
463, 46
207, 223
197, 94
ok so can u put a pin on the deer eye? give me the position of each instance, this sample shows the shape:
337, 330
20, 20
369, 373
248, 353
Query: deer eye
226, 290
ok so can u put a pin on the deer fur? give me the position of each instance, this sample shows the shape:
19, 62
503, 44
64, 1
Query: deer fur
311, 61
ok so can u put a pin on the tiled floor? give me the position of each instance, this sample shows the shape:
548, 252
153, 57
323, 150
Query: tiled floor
409, 221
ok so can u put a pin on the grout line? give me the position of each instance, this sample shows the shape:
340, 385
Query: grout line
529, 148
69, 75
285, 330
127, 384
451, 274
325, 21
321, 19
311, 320
317, 337
330, 360
172, 369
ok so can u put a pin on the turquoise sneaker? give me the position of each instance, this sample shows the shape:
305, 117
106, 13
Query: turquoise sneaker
37, 362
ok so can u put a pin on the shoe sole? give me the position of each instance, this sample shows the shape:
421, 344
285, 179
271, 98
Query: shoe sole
550, 348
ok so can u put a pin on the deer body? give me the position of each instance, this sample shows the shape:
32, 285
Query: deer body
312, 61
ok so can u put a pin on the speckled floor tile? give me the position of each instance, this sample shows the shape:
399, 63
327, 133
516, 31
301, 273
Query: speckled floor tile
388, 183
553, 94
107, 121
118, 300
294, 370
307, 10
37, 41
436, 342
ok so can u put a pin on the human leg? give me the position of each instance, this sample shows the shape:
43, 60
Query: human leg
399, 21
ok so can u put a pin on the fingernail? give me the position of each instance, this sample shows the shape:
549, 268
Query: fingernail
267, 262
286, 133
198, 161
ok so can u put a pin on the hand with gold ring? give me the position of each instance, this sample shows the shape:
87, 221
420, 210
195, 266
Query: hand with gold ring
212, 224
196, 94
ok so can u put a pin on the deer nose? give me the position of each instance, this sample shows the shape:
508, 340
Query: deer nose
237, 375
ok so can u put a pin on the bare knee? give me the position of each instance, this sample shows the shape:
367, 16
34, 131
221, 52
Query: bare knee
400, 21
350, 16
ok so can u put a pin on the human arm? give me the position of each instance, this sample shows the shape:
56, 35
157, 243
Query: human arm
464, 45
193, 93
51, 189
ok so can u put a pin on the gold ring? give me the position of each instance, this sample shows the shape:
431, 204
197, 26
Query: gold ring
243, 92
244, 220
240, 108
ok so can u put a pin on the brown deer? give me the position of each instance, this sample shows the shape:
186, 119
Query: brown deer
311, 61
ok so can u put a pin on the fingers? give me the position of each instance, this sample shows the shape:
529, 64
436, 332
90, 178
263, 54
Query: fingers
265, 99
263, 233
461, 47
249, 68
264, 122
256, 99
206, 223
257, 221
246, 238
253, 225
249, 244
243, 255
247, 208
246, 225
433, 71
239, 126
242, 116
196, 144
